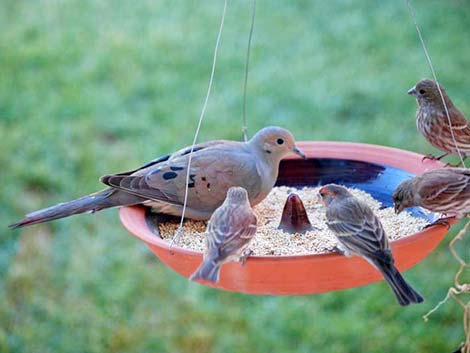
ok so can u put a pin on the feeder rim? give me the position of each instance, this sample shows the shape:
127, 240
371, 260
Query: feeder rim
127, 215
342, 150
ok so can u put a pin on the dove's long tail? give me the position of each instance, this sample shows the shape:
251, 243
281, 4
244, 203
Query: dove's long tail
91, 203
209, 270
403, 291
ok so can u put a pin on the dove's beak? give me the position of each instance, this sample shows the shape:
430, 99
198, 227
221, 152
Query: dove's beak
299, 152
412, 91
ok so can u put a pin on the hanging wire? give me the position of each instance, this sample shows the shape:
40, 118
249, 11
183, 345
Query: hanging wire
247, 64
428, 58
179, 231
458, 288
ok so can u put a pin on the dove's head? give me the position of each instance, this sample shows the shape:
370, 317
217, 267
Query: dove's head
275, 142
404, 195
237, 194
427, 93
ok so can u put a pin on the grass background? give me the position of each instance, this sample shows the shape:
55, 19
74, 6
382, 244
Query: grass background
91, 87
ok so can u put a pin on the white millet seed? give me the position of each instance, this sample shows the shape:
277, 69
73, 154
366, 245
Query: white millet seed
271, 241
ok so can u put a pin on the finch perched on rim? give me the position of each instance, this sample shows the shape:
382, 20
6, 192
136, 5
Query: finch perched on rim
229, 233
360, 233
432, 121
444, 190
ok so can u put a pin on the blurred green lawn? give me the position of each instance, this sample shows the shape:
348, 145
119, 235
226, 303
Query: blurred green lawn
93, 87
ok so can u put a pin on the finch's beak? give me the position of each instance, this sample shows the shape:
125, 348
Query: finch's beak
299, 152
412, 91
398, 208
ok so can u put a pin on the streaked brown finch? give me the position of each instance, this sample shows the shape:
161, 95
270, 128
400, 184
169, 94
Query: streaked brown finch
229, 233
359, 232
433, 123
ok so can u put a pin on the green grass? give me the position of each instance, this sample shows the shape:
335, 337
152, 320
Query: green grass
94, 87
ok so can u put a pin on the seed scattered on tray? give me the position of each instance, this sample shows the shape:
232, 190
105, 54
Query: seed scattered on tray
271, 241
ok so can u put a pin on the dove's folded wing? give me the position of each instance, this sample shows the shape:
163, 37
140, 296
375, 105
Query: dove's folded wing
213, 171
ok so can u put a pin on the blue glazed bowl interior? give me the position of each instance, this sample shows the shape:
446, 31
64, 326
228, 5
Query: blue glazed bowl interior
378, 180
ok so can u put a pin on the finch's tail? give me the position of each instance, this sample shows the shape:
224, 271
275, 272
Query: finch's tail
403, 291
209, 270
90, 203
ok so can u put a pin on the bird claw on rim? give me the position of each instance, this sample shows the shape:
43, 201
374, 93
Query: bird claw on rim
450, 165
440, 221
245, 256
431, 157
338, 250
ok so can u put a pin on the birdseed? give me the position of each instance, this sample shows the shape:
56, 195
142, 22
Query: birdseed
271, 241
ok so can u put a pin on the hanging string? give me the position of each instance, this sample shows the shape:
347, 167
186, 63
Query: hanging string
247, 64
179, 231
428, 58
458, 289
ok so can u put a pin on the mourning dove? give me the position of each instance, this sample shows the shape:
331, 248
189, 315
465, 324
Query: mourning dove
359, 232
161, 183
229, 232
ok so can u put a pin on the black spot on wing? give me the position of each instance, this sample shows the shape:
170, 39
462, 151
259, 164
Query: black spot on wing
192, 183
195, 149
176, 168
169, 175
156, 161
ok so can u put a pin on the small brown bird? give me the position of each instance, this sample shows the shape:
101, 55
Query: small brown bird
444, 190
360, 233
432, 121
229, 233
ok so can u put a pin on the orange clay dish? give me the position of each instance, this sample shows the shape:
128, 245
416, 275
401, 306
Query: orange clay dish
376, 170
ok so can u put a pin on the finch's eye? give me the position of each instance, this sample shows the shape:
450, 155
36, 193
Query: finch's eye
422, 91
280, 141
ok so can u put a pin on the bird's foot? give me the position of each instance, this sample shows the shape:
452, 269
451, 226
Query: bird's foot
338, 250
456, 165
440, 221
461, 163
246, 254
342, 251
432, 157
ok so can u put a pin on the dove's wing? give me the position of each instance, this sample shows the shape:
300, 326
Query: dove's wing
214, 169
357, 227
182, 152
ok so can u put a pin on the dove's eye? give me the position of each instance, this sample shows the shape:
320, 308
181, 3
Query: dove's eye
422, 91
280, 141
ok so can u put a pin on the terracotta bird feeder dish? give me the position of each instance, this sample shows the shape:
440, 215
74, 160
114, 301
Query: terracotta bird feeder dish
374, 169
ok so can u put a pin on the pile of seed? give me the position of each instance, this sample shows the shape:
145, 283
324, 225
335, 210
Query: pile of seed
271, 241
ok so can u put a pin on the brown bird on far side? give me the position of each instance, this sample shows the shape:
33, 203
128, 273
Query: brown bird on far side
444, 190
432, 121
